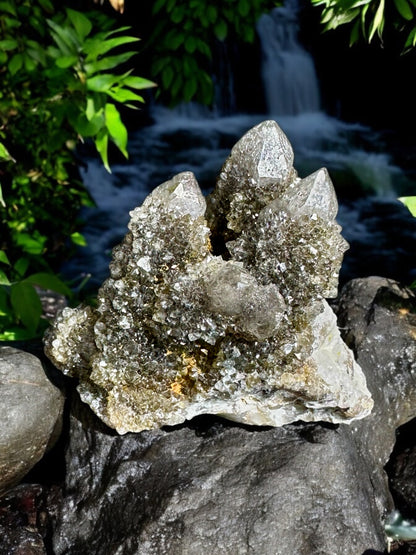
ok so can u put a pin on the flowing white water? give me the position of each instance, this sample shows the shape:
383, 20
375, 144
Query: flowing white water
192, 138
288, 71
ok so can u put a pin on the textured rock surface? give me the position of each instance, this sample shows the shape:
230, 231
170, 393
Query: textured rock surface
214, 487
31, 409
240, 329
24, 520
378, 318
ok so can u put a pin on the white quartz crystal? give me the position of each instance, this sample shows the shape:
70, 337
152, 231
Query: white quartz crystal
218, 306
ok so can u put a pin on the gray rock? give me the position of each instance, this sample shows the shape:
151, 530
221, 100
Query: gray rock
31, 408
377, 318
213, 487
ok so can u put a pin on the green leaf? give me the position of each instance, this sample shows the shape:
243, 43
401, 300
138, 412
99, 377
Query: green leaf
159, 64
5, 155
124, 95
178, 14
8, 44
221, 30
4, 302
89, 127
411, 39
174, 40
90, 108
65, 38
15, 64
410, 203
30, 244
50, 282
212, 14
243, 8
47, 6
167, 76
206, 87
176, 85
327, 15
157, 6
404, 9
190, 89
8, 7
102, 82
116, 128
97, 47
377, 23
138, 83
355, 33
101, 144
4, 280
16, 334
363, 15
109, 62
204, 49
190, 44
26, 304
66, 61
81, 23
170, 5
38, 55
4, 258
21, 266
78, 239
30, 64
2, 203
11, 23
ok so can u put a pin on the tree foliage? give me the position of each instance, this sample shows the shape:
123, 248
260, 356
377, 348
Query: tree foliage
183, 37
371, 18
63, 76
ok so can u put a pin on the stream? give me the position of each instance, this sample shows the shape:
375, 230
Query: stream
380, 230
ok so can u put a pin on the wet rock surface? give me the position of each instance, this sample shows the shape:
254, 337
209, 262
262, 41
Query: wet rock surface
213, 486
31, 408
377, 319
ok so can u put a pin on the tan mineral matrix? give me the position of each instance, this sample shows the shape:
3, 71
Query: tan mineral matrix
218, 305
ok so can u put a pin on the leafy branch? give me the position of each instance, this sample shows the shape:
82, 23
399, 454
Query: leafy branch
369, 18
63, 77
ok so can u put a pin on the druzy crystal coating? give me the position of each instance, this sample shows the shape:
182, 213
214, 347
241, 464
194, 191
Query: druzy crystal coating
218, 306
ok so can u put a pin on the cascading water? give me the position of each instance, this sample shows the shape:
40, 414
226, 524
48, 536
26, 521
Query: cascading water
191, 138
288, 71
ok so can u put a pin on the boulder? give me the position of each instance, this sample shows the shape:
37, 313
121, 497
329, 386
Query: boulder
211, 486
31, 408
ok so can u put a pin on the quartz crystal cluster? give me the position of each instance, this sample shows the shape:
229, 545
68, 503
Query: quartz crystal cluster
218, 305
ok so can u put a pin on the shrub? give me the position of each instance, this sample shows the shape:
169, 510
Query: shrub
60, 82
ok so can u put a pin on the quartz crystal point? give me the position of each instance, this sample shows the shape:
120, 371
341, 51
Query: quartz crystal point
219, 306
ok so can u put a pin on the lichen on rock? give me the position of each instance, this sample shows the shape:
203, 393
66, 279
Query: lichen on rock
218, 306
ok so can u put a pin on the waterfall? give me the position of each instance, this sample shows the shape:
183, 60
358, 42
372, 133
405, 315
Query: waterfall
198, 139
288, 72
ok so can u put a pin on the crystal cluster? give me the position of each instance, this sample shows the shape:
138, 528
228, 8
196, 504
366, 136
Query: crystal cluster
218, 306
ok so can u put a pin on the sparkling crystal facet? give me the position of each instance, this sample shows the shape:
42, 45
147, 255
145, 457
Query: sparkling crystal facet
219, 306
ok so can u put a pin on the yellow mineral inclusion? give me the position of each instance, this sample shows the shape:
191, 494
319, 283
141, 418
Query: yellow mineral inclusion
176, 388
208, 331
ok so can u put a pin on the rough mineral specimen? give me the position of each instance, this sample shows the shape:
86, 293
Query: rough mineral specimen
220, 309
